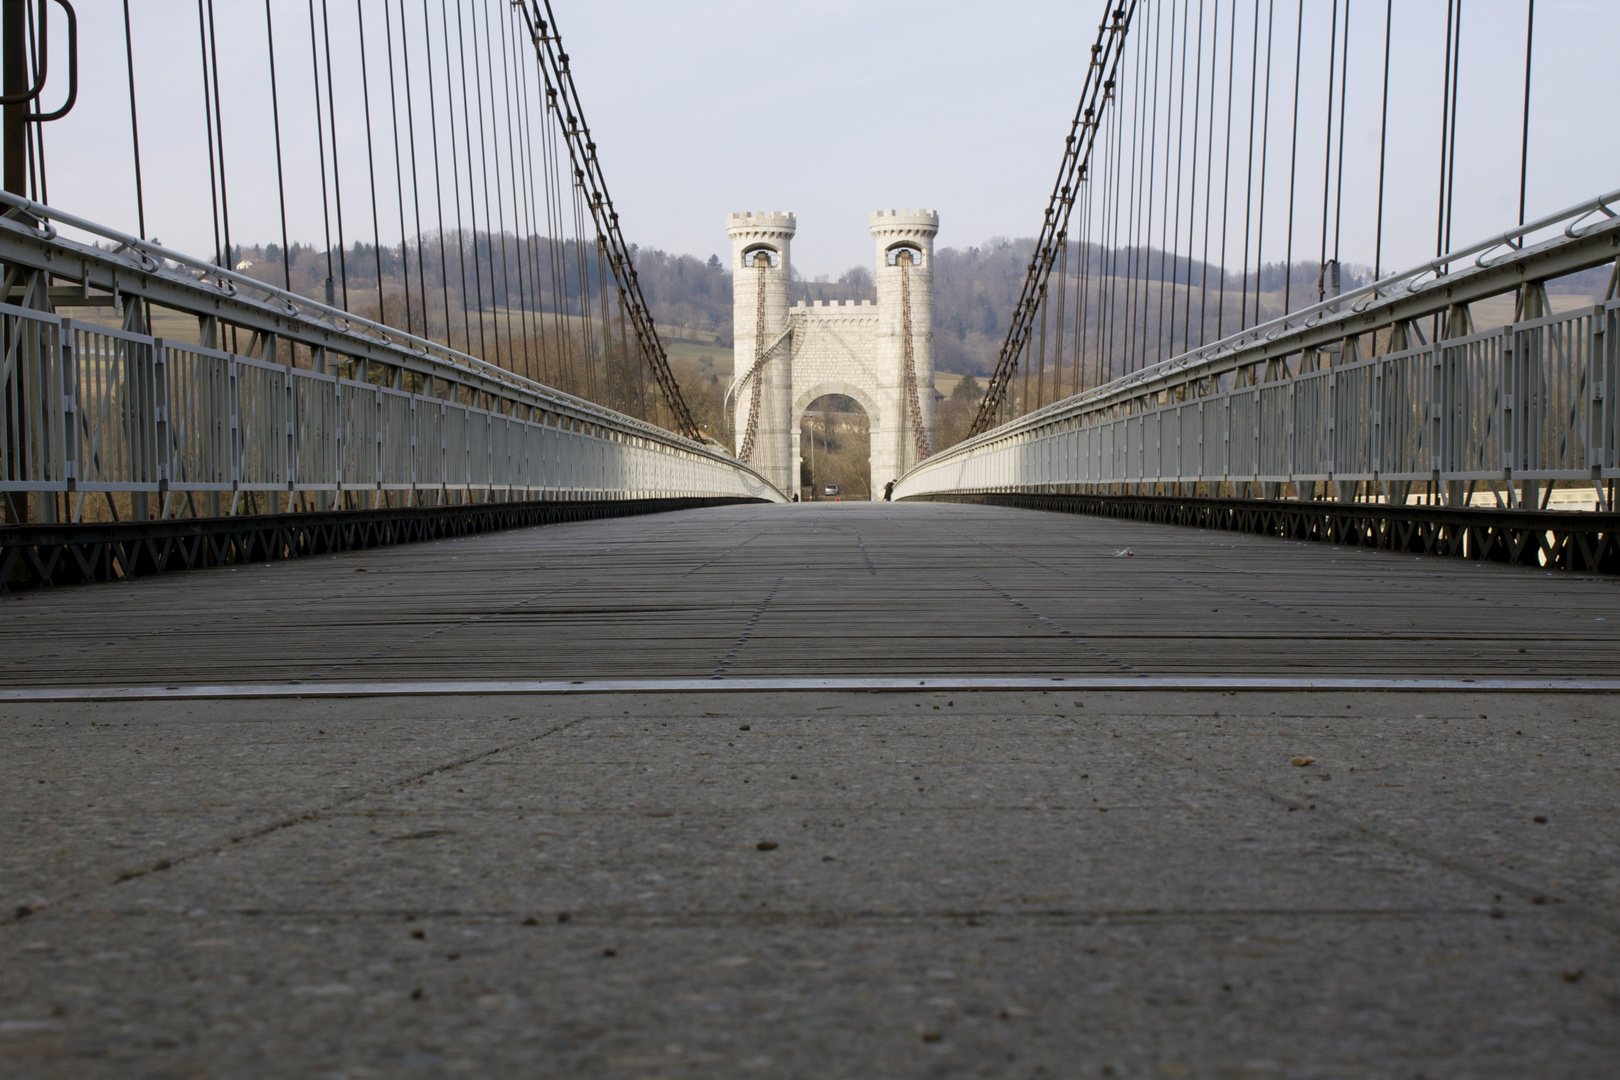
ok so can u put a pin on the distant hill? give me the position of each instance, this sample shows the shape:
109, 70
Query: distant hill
975, 292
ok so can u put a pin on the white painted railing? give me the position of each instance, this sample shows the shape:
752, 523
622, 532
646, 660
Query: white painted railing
91, 409
1531, 401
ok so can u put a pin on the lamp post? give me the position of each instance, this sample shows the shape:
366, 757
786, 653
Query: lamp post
807, 414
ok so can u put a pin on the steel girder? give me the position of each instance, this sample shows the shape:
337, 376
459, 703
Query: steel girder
39, 556
1548, 539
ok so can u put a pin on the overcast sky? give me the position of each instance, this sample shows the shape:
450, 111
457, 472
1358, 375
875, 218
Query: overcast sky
837, 108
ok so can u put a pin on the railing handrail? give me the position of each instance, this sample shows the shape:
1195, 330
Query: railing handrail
335, 319
1232, 344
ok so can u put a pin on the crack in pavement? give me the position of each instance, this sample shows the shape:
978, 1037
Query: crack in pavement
293, 820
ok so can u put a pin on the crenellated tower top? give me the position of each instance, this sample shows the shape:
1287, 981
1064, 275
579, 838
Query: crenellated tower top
914, 224
772, 222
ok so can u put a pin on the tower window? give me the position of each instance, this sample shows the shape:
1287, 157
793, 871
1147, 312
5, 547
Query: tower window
761, 255
904, 254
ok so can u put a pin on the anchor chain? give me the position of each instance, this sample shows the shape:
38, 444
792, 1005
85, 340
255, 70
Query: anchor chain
918, 435
746, 451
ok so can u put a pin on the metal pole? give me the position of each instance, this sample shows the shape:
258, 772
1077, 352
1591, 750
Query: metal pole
14, 142
14, 27
809, 413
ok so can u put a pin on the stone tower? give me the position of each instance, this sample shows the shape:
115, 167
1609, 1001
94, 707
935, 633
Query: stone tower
880, 354
905, 279
761, 268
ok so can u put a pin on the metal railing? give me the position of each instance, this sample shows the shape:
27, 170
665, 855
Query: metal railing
1530, 401
87, 408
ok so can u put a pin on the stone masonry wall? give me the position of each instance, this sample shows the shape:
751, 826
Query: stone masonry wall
854, 349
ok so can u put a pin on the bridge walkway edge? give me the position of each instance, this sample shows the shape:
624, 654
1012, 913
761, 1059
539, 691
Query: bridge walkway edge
48, 555
1551, 539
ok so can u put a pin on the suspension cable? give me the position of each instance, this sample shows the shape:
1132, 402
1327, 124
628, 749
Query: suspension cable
1174, 112
1248, 190
1118, 259
135, 125
1062, 293
537, 180
337, 180
1181, 126
275, 114
1293, 161
1192, 195
1524, 142
1209, 171
1226, 179
219, 135
1327, 152
1129, 201
438, 184
1265, 145
371, 163
416, 187
1445, 116
559, 241
1338, 182
526, 141
1451, 149
495, 224
1151, 173
582, 271
512, 145
1105, 58
36, 131
1383, 145
208, 125
582, 152
1107, 249
472, 199
1134, 212
1082, 281
399, 171
320, 138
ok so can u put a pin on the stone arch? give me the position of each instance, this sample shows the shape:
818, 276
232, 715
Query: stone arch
802, 400
861, 395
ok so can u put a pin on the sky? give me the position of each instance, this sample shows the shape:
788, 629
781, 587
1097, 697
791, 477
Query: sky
834, 109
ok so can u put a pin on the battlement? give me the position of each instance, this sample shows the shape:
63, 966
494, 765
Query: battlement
776, 220
869, 306
889, 219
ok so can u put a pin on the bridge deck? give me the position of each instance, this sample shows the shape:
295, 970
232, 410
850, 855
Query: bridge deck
823, 590
1029, 882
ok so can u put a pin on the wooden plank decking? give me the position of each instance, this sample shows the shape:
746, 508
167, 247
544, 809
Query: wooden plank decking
822, 590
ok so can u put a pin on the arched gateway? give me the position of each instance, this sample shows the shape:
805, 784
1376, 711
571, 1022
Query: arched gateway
788, 354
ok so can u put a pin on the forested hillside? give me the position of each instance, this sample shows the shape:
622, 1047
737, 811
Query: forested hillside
537, 307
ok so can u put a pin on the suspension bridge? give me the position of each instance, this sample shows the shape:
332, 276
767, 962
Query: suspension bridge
406, 670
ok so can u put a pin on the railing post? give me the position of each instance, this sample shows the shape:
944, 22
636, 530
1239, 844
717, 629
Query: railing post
160, 424
1527, 358
1349, 353
233, 444
413, 473
1607, 411
69, 404
1396, 492
1436, 418
1594, 404
1290, 448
